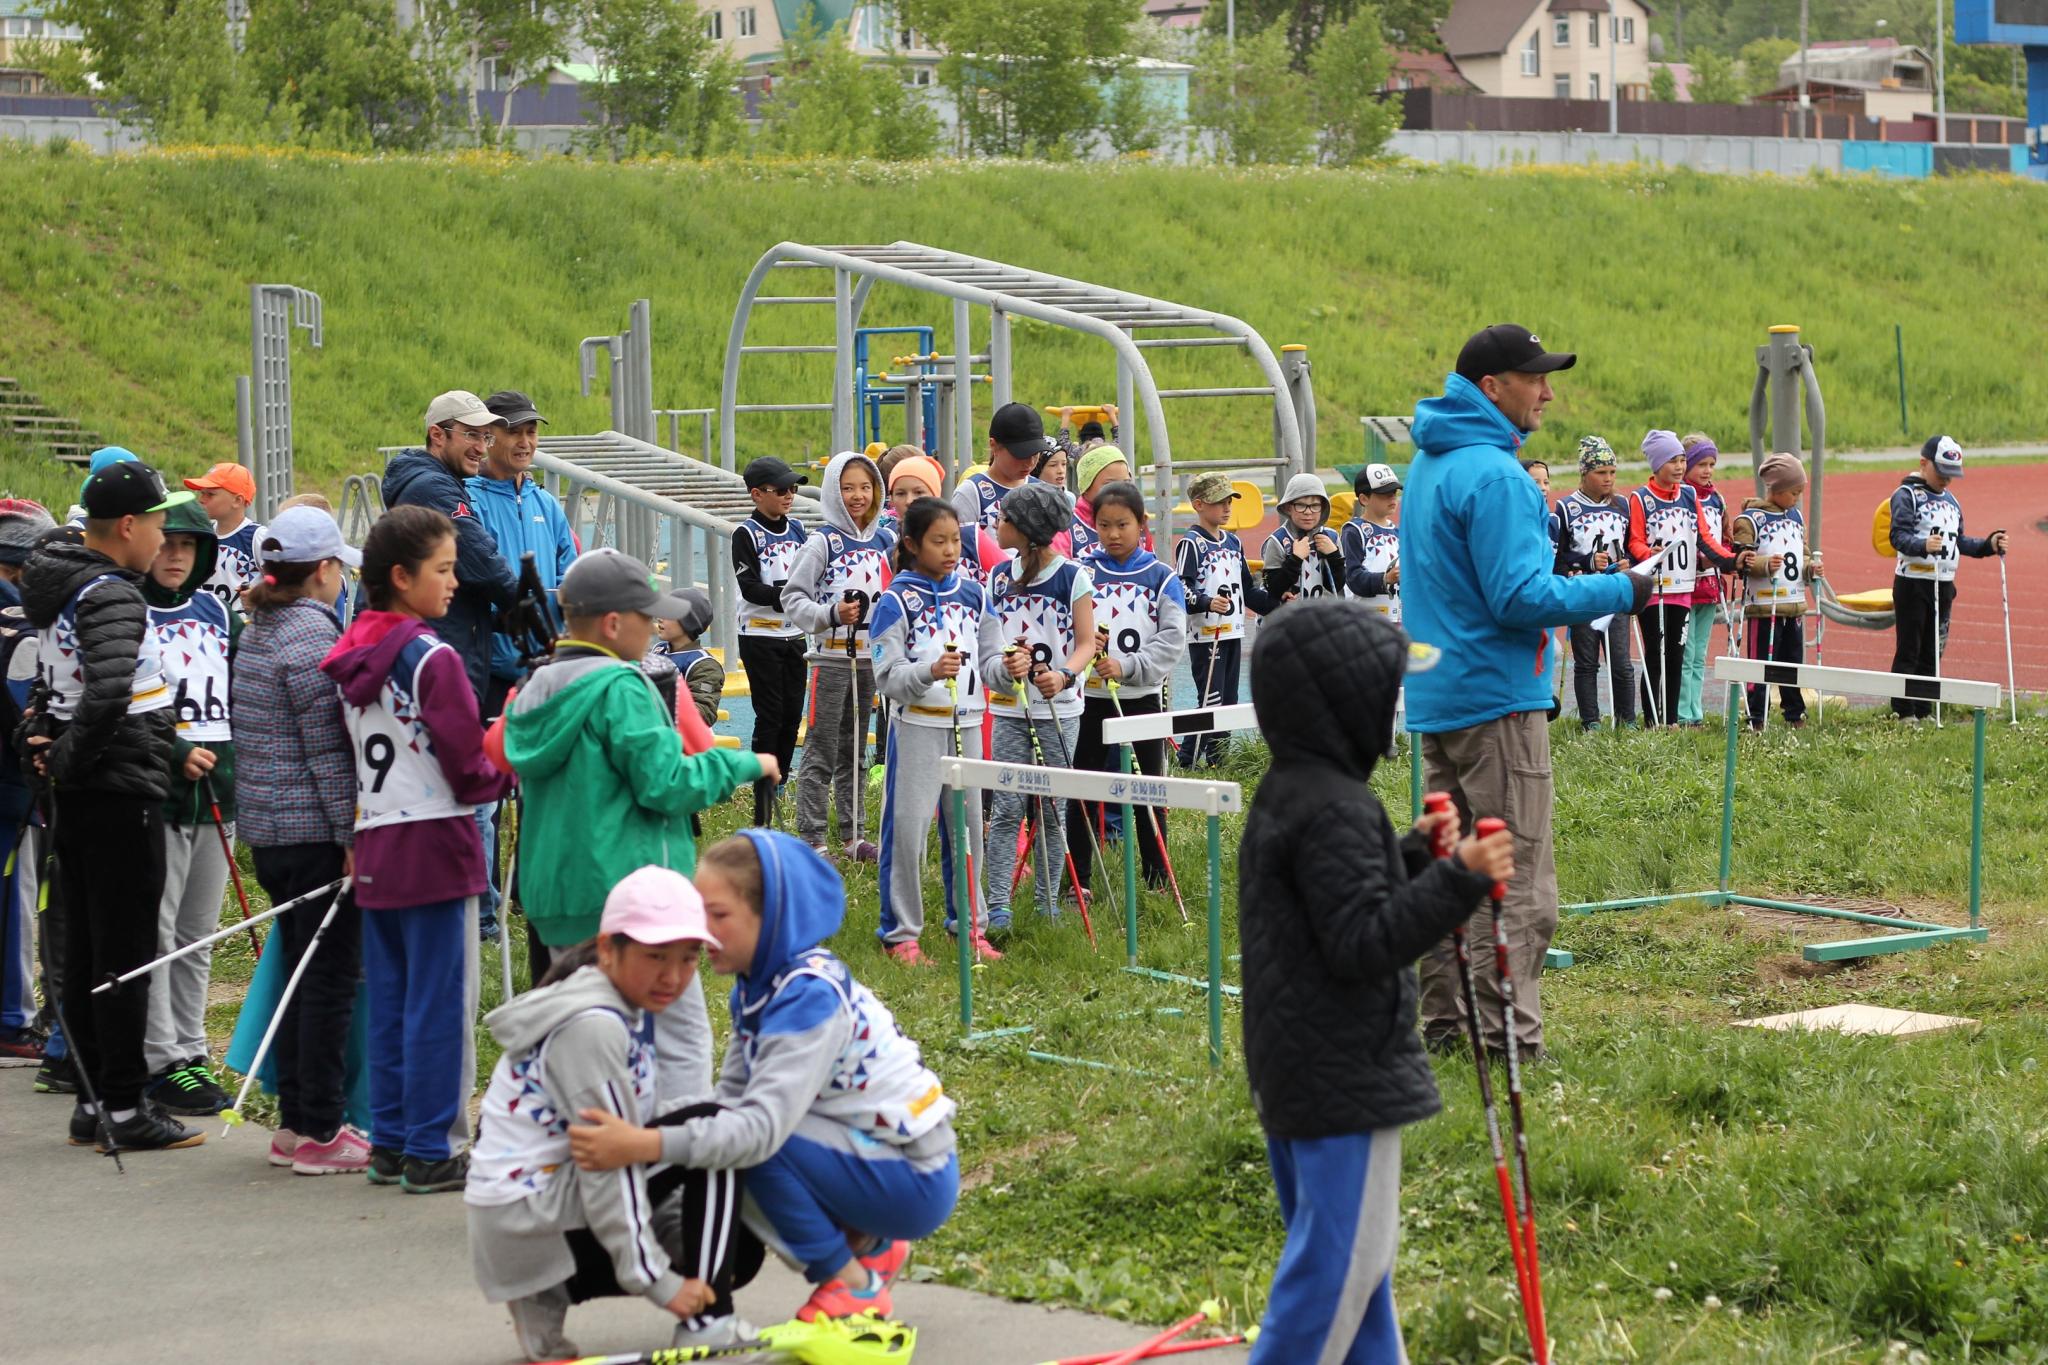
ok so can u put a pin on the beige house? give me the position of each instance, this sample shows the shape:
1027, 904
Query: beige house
1551, 49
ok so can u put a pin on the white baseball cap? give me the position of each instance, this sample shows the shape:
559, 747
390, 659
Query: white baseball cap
460, 405
305, 535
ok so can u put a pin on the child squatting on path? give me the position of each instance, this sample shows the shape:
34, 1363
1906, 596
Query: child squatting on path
1333, 911
544, 1235
845, 1135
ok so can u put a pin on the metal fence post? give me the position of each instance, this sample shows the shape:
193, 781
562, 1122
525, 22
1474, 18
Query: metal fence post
999, 355
964, 451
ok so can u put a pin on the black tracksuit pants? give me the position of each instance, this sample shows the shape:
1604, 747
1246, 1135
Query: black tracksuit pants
1913, 619
776, 677
1092, 755
312, 1040
111, 847
1663, 661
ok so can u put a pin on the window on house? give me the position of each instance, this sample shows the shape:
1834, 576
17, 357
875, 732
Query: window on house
714, 25
1593, 86
1561, 87
1561, 33
487, 74
743, 22
923, 76
1532, 56
17, 28
1593, 32
1628, 30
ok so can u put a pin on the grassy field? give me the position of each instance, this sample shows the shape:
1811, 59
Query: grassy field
125, 284
1706, 1193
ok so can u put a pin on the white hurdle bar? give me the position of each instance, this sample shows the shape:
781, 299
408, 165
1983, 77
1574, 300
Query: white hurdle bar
1176, 724
1855, 682
1214, 799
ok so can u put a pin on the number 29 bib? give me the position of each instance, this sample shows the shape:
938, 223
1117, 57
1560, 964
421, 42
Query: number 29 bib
398, 778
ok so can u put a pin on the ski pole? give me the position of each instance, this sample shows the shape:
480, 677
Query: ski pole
1171, 1348
1094, 842
1038, 754
1210, 1309
858, 739
1937, 649
200, 943
1635, 626
973, 925
234, 868
2012, 690
505, 922
828, 1341
1151, 815
231, 1117
1532, 1299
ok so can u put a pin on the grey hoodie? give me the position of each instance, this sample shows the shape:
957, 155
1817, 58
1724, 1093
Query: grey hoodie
570, 1046
838, 557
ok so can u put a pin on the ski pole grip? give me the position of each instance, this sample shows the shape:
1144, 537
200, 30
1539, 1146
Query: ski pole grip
1486, 828
1439, 842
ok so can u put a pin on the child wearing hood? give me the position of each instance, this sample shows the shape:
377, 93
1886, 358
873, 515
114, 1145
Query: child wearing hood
193, 629
419, 866
1333, 911
544, 1235
1301, 557
1666, 525
1701, 456
846, 1137
833, 583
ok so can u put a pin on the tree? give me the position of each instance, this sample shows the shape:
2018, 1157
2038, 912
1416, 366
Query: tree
1663, 86
827, 100
1715, 80
664, 88
170, 65
341, 74
523, 37
1027, 76
1349, 69
1257, 109
1133, 121
1405, 23
1761, 58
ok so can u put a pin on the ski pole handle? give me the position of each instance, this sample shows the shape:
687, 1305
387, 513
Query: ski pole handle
1439, 841
1485, 829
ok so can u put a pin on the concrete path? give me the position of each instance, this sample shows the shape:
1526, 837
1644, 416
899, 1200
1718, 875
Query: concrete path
211, 1255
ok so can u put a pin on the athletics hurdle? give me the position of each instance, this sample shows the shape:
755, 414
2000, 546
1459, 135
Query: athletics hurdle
1213, 798
1981, 697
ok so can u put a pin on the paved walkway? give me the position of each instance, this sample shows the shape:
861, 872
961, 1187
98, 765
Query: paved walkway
211, 1255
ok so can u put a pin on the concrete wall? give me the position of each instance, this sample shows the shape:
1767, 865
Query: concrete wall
1740, 155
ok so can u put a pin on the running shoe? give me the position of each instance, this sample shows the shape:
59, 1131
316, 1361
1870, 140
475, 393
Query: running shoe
347, 1152
150, 1129
387, 1166
887, 1263
834, 1299
59, 1076
434, 1177
283, 1143
909, 954
190, 1090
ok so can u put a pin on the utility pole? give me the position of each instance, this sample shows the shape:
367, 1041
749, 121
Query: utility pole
1940, 79
1803, 100
1613, 90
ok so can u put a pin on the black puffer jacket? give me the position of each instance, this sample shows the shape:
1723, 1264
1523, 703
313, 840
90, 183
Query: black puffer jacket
103, 748
1333, 909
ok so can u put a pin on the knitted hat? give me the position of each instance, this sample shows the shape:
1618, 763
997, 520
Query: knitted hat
1595, 453
1661, 448
1038, 510
1782, 471
924, 469
22, 523
1091, 467
1698, 451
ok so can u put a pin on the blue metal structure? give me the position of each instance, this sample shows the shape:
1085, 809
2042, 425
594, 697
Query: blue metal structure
871, 395
2024, 24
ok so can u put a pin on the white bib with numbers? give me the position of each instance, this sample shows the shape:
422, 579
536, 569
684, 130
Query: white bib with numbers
1219, 572
192, 641
1779, 533
398, 778
1942, 515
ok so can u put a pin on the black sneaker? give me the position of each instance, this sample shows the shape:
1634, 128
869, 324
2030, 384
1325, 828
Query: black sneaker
387, 1166
85, 1126
59, 1077
190, 1090
152, 1130
435, 1177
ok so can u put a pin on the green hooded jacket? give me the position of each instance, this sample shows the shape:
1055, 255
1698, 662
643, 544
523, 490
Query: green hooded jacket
606, 785
187, 803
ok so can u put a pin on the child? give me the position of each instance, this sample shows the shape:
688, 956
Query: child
1052, 468
1099, 468
1210, 562
606, 784
833, 582
1333, 911
764, 546
297, 778
192, 631
1016, 438
22, 1042
1371, 543
1665, 524
225, 493
845, 1135
677, 637
932, 629
1044, 606
1589, 525
419, 866
1701, 456
1141, 625
1927, 536
544, 1235
1774, 527
1301, 557
1539, 471
101, 729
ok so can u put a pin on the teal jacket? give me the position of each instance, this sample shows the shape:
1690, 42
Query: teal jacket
607, 788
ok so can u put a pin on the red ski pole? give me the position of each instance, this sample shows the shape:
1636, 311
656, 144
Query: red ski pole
1172, 1348
1532, 1288
1210, 1309
234, 869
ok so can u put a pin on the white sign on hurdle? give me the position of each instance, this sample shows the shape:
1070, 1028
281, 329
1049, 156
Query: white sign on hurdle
1855, 682
1115, 789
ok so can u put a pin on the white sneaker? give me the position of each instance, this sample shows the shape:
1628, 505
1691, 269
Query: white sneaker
537, 1322
730, 1330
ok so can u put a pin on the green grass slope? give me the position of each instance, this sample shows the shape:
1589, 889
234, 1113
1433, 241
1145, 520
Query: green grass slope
124, 285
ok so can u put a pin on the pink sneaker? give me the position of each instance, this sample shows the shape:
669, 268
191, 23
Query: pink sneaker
985, 950
283, 1143
886, 1263
909, 954
345, 1154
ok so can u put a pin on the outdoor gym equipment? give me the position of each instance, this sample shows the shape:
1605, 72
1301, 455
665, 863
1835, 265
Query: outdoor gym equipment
263, 397
1904, 934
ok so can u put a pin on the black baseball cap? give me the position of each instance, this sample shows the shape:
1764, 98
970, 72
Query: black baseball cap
513, 408
1017, 428
129, 488
770, 472
1507, 346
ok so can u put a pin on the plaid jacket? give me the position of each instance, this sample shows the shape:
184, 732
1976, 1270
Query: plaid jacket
296, 774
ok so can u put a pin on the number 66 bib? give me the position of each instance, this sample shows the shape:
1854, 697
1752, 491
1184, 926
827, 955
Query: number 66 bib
398, 779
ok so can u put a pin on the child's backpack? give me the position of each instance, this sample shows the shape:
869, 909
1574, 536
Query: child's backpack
1881, 529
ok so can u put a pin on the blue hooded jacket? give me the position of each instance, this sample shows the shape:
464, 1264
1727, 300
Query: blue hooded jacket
803, 903
522, 517
1478, 577
485, 582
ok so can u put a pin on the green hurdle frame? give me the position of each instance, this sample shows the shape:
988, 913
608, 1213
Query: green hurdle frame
1907, 934
1213, 798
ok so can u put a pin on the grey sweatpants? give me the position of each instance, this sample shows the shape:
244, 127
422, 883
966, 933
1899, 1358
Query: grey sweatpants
195, 875
1049, 847
914, 785
1500, 769
828, 771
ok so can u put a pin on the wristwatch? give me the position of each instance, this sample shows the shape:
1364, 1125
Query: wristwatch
1070, 676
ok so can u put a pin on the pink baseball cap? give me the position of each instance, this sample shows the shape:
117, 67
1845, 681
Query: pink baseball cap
656, 905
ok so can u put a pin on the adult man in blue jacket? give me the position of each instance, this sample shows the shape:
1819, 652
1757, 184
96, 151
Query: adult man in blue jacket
1479, 583
523, 517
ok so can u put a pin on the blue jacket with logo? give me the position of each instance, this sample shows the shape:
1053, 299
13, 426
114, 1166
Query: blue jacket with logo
1478, 576
487, 584
523, 518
